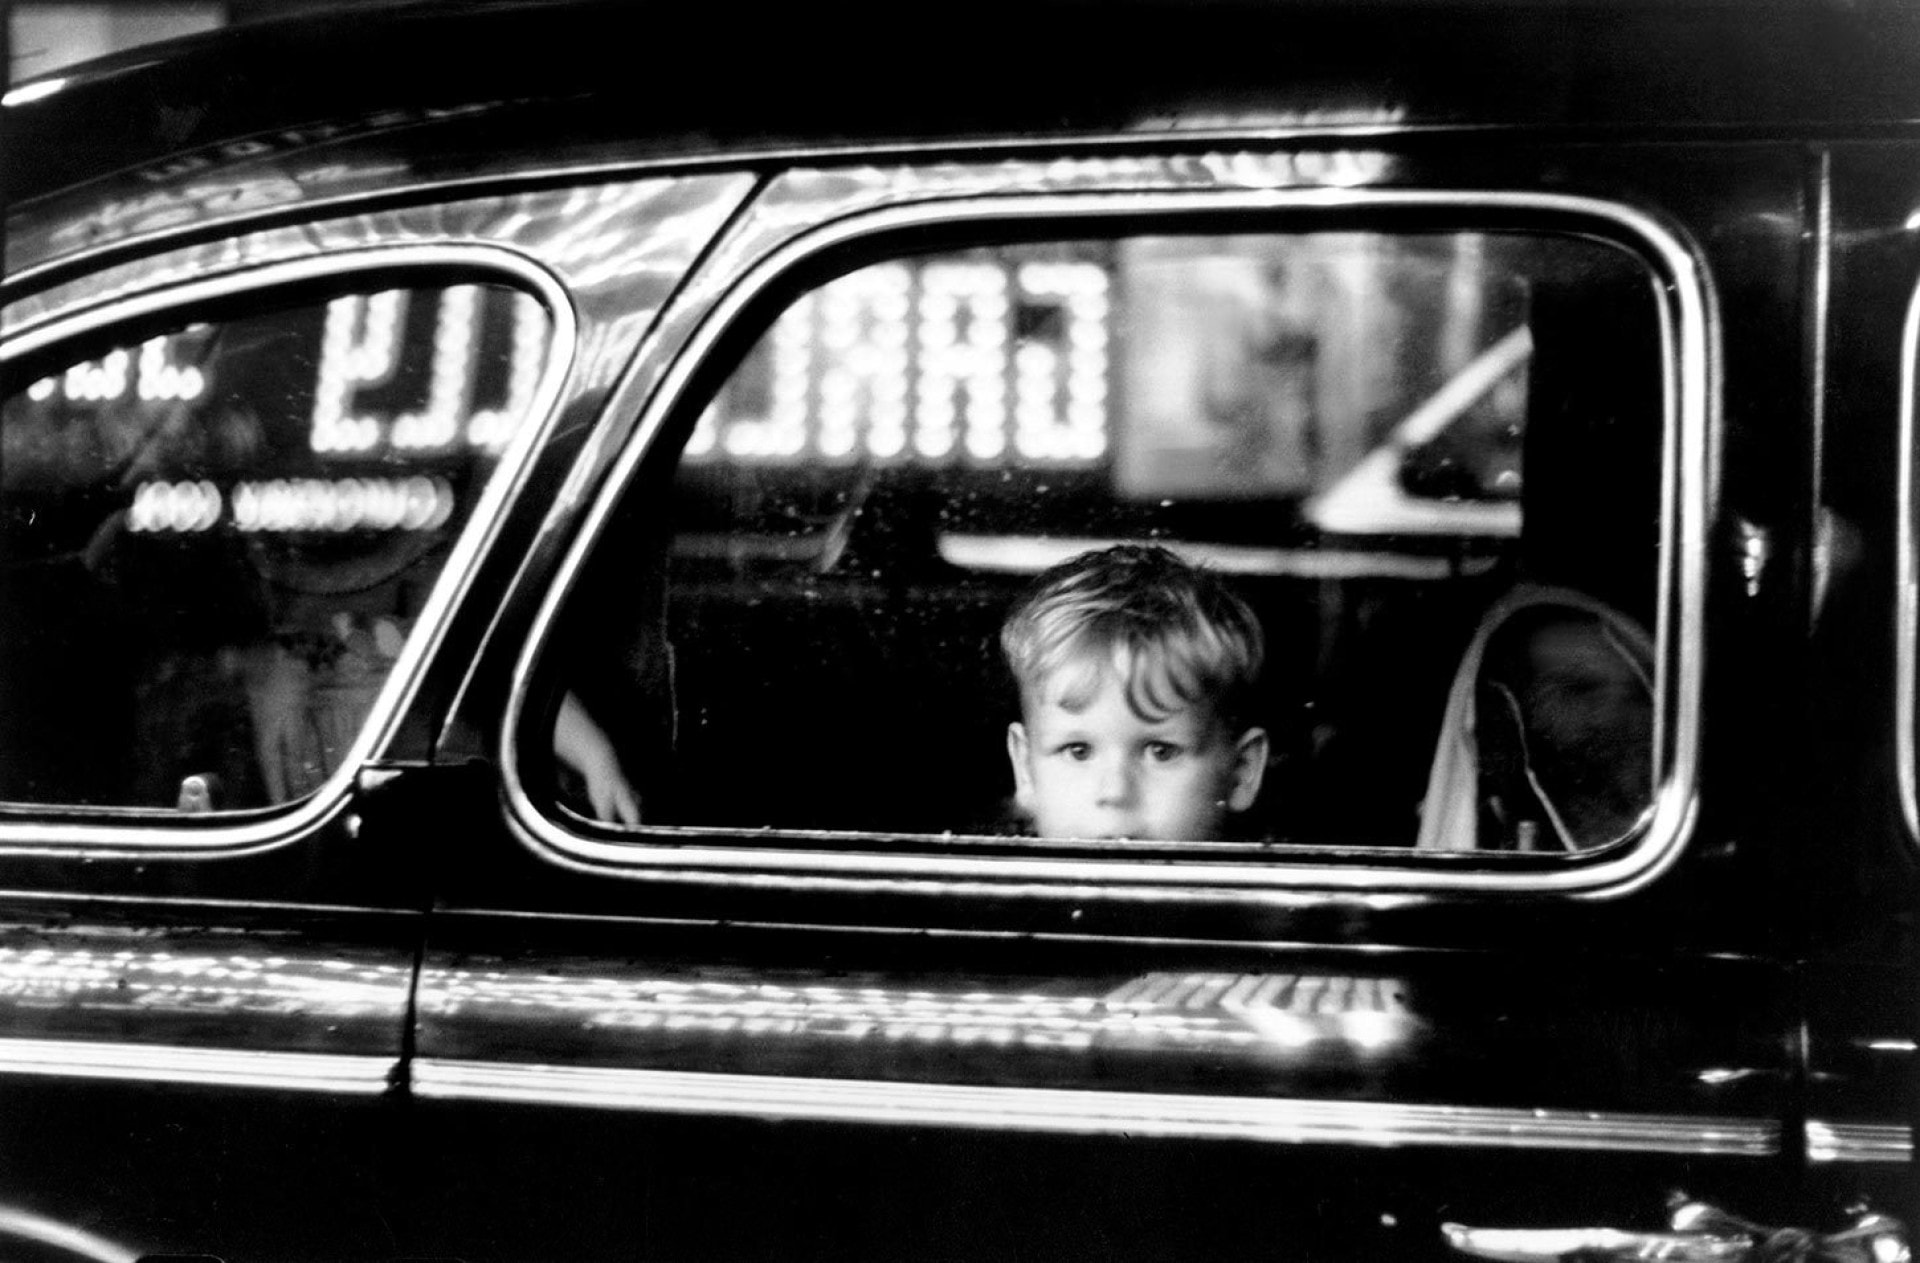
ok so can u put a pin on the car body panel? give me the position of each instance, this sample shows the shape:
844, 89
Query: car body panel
239, 1013
1177, 1016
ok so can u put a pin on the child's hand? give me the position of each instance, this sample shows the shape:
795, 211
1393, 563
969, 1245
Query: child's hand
609, 794
581, 744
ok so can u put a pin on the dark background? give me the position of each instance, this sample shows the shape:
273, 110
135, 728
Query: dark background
41, 38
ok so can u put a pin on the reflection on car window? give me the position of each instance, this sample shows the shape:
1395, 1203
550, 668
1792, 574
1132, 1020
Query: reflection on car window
214, 536
1371, 438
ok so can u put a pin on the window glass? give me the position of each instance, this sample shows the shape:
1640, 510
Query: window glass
215, 535
1426, 464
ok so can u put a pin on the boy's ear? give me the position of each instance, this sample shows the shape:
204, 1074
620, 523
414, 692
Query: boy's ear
1249, 768
1022, 774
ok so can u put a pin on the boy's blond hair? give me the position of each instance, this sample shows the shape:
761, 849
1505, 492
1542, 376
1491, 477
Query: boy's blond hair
1172, 633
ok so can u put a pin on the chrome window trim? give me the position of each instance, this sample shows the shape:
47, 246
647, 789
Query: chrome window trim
508, 179
1090, 1112
148, 833
1906, 618
358, 1075
1689, 490
1858, 1142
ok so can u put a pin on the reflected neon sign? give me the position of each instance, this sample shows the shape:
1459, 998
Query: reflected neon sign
418, 503
152, 375
988, 362
1251, 1014
125, 980
362, 347
368, 396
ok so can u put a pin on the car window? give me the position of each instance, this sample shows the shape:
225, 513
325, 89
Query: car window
215, 533
1427, 463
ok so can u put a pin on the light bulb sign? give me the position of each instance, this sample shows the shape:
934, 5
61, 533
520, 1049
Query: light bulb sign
987, 361
360, 414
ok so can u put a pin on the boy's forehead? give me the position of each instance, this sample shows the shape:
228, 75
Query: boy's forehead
1080, 683
1073, 680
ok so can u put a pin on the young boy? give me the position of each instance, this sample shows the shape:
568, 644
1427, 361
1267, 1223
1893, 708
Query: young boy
1136, 675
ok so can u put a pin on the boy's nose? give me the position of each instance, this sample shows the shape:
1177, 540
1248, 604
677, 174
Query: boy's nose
1117, 782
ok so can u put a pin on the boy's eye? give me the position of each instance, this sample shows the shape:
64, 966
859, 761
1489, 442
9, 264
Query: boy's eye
1162, 751
1078, 751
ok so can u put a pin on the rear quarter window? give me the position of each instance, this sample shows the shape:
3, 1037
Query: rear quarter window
217, 530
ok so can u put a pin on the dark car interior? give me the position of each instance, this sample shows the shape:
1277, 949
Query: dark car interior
205, 595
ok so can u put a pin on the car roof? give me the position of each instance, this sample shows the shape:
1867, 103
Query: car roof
462, 84
868, 72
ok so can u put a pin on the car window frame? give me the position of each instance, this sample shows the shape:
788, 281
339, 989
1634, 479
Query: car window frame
58, 829
729, 288
1906, 614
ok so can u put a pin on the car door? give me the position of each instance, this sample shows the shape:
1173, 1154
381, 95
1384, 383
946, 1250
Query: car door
828, 998
1859, 831
245, 485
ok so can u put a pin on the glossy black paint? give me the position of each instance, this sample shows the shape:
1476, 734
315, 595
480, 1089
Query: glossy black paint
1582, 66
526, 78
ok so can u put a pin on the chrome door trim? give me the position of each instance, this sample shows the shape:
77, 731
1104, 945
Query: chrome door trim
1689, 490
210, 1067
150, 832
1907, 586
1858, 1142
1091, 1113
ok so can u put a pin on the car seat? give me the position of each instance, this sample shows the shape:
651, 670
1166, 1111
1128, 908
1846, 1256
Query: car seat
1547, 742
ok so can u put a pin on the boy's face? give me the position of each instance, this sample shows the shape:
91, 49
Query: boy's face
1103, 771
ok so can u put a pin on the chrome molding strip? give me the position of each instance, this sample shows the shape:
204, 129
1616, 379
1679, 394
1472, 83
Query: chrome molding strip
1907, 570
1819, 302
1092, 1113
509, 178
148, 833
1859, 1142
209, 1067
1689, 490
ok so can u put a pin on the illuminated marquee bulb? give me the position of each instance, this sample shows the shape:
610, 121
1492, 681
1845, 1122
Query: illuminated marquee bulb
885, 371
97, 380
886, 441
490, 428
159, 378
988, 326
372, 357
1087, 424
418, 503
963, 341
987, 431
439, 422
742, 439
792, 374
1036, 432
863, 378
790, 347
706, 433
179, 507
359, 347
1046, 430
838, 413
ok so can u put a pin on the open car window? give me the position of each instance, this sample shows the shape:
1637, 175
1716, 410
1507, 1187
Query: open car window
1430, 464
216, 532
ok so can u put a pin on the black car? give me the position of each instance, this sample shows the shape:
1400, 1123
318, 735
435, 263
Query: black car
391, 398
